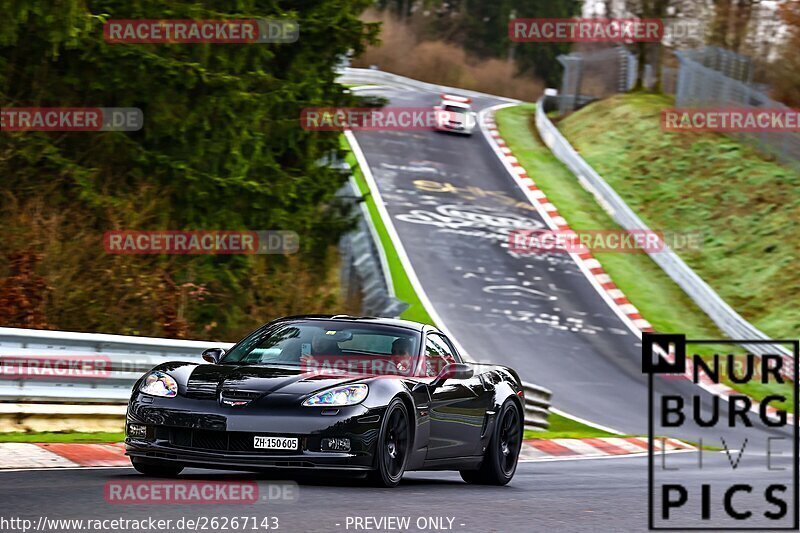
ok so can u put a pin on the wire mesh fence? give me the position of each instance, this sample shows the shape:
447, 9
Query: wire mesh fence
669, 80
730, 64
714, 78
708, 77
594, 75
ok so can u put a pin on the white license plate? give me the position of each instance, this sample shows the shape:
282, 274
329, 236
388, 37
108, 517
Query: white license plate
275, 443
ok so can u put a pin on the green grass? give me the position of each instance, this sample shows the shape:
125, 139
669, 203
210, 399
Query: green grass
747, 206
565, 428
60, 436
402, 285
657, 297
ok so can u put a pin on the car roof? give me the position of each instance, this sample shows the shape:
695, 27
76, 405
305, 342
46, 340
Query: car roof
408, 324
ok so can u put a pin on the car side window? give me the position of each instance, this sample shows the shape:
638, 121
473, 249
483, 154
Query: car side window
450, 349
438, 353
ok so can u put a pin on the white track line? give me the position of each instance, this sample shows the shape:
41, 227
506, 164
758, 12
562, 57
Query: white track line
395, 238
586, 422
492, 137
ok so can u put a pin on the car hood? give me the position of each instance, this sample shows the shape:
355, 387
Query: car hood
206, 381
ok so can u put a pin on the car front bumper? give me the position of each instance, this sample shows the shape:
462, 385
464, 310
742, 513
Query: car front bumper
202, 433
449, 129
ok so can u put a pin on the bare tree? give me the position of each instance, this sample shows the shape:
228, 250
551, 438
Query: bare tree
731, 22
786, 74
648, 9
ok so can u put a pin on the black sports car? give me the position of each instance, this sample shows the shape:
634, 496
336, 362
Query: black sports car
371, 395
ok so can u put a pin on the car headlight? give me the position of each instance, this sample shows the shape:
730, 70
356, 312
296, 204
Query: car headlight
339, 396
159, 384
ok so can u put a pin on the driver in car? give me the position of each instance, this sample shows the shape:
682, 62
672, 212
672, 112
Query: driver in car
401, 355
323, 353
324, 344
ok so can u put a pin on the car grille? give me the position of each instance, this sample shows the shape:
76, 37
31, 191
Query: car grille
240, 395
222, 441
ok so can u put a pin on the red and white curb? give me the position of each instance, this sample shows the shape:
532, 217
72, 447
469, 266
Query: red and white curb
19, 455
590, 266
534, 450
553, 218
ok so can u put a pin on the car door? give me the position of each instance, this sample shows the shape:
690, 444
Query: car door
457, 408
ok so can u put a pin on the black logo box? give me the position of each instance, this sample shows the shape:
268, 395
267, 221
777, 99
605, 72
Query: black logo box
653, 363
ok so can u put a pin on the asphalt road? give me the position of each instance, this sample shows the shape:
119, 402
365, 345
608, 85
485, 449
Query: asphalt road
589, 495
538, 314
452, 204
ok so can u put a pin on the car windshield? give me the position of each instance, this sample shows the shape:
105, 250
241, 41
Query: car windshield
330, 345
455, 109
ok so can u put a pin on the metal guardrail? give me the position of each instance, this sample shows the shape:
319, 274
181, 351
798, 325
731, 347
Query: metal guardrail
365, 272
537, 406
126, 358
129, 358
723, 315
366, 76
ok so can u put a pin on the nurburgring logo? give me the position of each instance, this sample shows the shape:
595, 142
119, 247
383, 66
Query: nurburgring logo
752, 483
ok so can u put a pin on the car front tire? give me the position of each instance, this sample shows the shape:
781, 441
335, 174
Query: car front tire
392, 448
500, 459
156, 468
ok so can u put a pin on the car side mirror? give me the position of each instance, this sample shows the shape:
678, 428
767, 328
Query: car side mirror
213, 355
452, 371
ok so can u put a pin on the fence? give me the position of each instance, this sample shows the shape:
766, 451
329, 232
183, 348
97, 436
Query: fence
730, 64
728, 320
365, 274
705, 77
129, 358
669, 80
716, 78
595, 74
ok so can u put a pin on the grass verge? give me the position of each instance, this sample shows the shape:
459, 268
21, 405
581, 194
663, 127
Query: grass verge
402, 284
566, 428
657, 297
61, 436
746, 206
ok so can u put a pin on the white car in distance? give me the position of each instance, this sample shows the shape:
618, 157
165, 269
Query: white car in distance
454, 114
